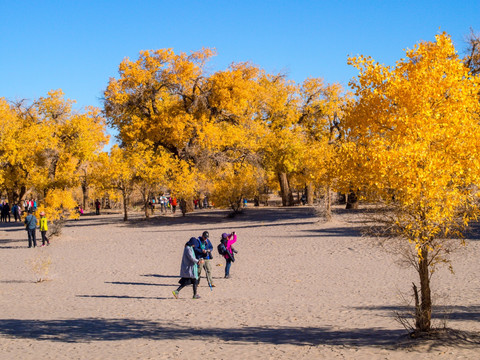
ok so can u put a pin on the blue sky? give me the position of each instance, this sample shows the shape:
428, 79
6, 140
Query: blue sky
78, 45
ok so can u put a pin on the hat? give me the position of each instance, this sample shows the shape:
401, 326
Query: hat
205, 234
191, 242
224, 236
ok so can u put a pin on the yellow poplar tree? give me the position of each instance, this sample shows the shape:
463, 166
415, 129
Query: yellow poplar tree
284, 144
22, 142
414, 141
235, 136
150, 170
116, 172
75, 137
321, 114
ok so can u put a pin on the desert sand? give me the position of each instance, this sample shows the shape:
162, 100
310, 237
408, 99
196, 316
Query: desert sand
300, 289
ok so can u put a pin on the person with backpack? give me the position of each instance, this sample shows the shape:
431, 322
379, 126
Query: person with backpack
203, 250
225, 248
189, 269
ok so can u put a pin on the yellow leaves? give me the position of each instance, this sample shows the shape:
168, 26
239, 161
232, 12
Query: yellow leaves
235, 182
42, 146
412, 132
59, 204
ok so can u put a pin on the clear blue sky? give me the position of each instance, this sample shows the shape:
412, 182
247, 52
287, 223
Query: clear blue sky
78, 45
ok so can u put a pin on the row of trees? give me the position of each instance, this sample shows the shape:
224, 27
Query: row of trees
232, 130
408, 136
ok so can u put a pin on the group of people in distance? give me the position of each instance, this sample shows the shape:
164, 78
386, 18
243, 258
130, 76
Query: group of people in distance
6, 210
166, 203
197, 254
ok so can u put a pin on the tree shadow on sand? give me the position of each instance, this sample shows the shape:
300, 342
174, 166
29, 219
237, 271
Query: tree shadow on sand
473, 231
98, 329
444, 312
262, 216
135, 283
13, 243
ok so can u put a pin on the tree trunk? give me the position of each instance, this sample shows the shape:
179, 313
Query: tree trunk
85, 195
352, 200
423, 312
189, 205
286, 192
145, 202
309, 193
145, 206
11, 197
328, 203
125, 205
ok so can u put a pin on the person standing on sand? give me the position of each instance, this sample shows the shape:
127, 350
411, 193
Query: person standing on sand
44, 228
6, 211
31, 225
203, 250
228, 241
189, 269
174, 204
97, 207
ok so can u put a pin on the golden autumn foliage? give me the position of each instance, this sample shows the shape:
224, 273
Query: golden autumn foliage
414, 142
42, 148
115, 172
160, 94
234, 183
59, 205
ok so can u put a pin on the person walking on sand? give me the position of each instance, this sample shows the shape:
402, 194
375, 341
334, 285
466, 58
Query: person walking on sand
203, 250
228, 241
97, 207
44, 229
174, 204
189, 269
31, 225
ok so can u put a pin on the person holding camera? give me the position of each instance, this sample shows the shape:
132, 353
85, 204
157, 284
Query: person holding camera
189, 269
203, 250
228, 241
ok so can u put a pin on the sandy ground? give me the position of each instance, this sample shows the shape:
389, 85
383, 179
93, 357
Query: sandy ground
300, 288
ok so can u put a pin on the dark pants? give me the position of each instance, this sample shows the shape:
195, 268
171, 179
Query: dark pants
44, 238
227, 267
187, 281
97, 211
32, 238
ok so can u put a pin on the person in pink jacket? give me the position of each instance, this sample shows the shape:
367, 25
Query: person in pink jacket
228, 241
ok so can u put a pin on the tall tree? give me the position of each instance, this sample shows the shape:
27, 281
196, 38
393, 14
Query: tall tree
415, 143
